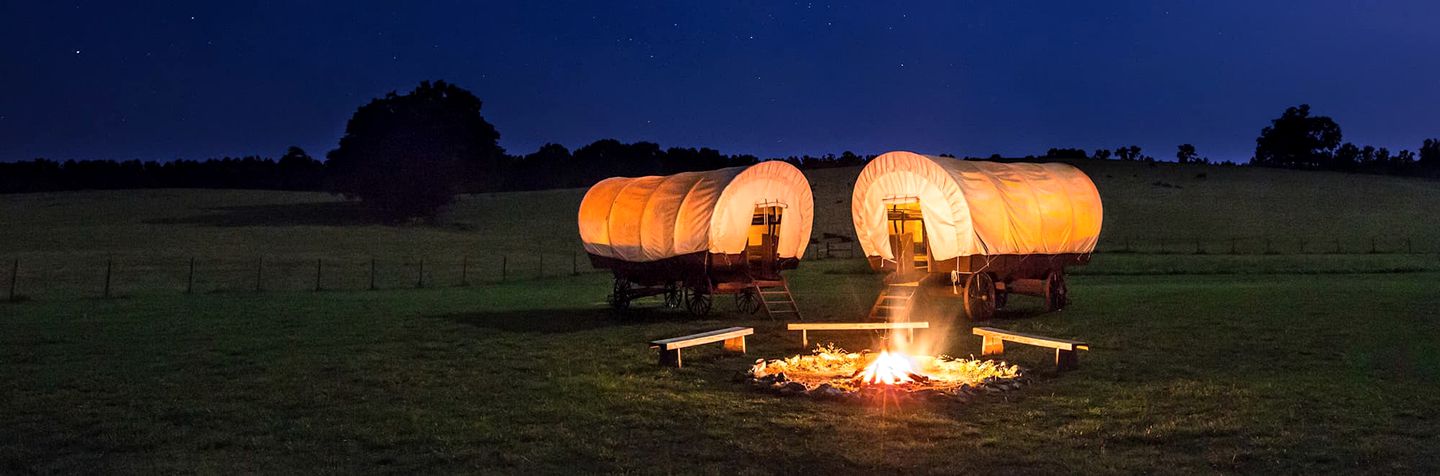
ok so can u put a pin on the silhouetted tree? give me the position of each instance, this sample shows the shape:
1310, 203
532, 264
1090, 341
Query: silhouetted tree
408, 155
550, 166
1403, 162
1065, 153
1101, 154
1430, 154
1128, 153
1347, 156
1186, 154
1297, 139
1367, 155
1382, 157
296, 170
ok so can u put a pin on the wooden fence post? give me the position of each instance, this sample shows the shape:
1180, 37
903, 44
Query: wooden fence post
420, 281
1198, 249
465, 271
1268, 251
108, 264
317, 274
372, 274
1372, 245
1162, 246
575, 263
1232, 246
14, 275
190, 278
259, 270
504, 266
1408, 249
542, 265
1337, 246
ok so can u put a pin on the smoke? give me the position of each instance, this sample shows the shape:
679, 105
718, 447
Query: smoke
940, 306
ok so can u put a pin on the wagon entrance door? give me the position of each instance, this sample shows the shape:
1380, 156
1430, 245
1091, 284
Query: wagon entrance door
762, 247
908, 241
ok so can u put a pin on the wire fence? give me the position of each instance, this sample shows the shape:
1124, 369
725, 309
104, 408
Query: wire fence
1266, 245
847, 248
37, 277
56, 275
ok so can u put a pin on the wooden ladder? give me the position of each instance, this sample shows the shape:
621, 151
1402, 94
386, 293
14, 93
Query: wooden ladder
894, 303
775, 296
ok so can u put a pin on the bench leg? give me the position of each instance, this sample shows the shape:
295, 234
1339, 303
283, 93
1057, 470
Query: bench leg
804, 339
991, 345
670, 358
1066, 359
736, 344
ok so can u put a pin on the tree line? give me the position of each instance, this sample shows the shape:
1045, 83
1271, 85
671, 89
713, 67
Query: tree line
295, 170
1300, 140
407, 155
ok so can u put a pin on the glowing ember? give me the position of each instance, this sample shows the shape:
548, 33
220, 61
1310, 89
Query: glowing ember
888, 369
832, 373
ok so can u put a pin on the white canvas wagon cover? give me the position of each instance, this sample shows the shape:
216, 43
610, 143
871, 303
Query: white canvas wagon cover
652, 218
972, 207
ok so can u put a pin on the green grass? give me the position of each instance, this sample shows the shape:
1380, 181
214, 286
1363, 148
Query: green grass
1237, 373
63, 240
1249, 362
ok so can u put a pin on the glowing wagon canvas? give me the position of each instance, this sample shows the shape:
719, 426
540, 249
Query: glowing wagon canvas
690, 236
975, 230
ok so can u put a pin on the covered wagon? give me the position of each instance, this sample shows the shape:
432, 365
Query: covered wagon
979, 230
692, 235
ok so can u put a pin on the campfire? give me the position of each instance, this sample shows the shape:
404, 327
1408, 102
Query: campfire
829, 372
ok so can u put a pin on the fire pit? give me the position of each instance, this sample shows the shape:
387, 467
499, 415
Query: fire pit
830, 372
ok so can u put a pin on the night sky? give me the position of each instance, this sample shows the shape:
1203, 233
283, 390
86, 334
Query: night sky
194, 80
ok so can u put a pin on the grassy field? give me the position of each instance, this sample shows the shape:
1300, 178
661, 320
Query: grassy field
1295, 362
1246, 373
64, 240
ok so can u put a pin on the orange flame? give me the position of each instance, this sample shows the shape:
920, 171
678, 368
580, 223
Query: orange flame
888, 369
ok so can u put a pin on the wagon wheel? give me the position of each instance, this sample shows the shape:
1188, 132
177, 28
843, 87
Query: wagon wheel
747, 301
697, 301
980, 297
1057, 292
619, 297
674, 297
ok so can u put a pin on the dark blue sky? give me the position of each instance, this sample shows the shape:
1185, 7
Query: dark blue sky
164, 80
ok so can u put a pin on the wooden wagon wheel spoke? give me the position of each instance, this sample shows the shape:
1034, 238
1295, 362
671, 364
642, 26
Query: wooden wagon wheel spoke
697, 302
674, 296
1056, 291
619, 297
747, 301
1062, 291
980, 297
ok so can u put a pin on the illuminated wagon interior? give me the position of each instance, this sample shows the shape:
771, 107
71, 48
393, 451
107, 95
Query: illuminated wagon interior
978, 230
689, 236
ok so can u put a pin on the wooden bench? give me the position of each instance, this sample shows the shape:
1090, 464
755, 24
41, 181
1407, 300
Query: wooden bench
993, 343
733, 338
806, 327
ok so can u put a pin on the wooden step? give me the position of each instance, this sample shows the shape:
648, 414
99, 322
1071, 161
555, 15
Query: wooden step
775, 297
894, 301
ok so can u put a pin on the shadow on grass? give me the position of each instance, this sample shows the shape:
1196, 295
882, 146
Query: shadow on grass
561, 321
1016, 314
290, 214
